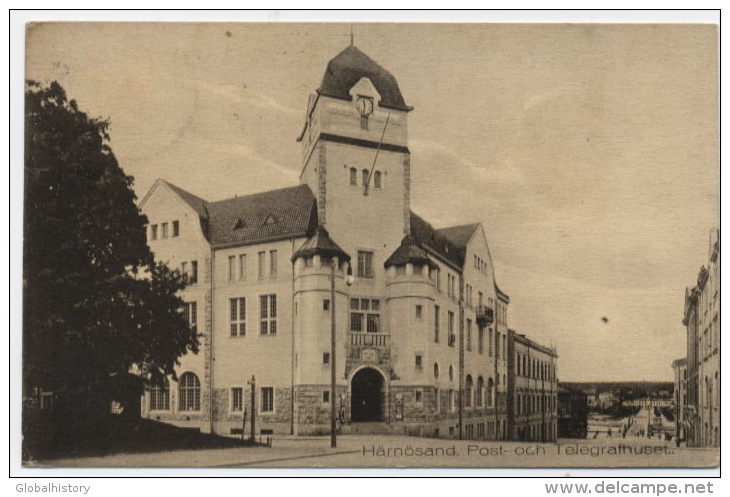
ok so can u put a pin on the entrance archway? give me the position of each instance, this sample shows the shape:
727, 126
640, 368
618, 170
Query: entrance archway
368, 395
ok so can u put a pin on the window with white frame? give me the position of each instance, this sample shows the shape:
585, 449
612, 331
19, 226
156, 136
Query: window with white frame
365, 315
231, 267
267, 399
164, 230
242, 267
160, 395
273, 263
190, 313
189, 392
365, 264
238, 316
268, 314
153, 232
262, 264
236, 399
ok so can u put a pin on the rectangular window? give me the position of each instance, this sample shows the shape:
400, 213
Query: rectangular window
153, 232
419, 361
419, 311
194, 272
267, 399
418, 397
262, 265
353, 176
268, 314
273, 263
326, 397
438, 279
468, 334
242, 267
231, 267
363, 125
364, 264
236, 399
164, 230
437, 399
365, 315
326, 305
490, 342
452, 403
175, 228
480, 334
325, 358
238, 317
436, 323
190, 313
450, 324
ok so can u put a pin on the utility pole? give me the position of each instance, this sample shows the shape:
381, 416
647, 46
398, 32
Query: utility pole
253, 407
333, 376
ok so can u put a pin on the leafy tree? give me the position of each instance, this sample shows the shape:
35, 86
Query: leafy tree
95, 302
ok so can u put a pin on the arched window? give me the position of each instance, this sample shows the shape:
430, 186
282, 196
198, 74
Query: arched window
189, 392
468, 387
365, 175
490, 392
436, 370
479, 393
353, 176
377, 180
160, 395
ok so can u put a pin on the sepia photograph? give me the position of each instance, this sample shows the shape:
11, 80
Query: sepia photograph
370, 245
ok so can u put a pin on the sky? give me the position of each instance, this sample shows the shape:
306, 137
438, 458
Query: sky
588, 152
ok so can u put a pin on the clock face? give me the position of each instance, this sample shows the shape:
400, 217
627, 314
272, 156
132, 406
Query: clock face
364, 105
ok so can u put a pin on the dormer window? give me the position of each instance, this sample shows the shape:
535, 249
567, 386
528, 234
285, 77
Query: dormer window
270, 219
240, 224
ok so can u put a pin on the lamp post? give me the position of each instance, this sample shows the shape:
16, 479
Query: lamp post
333, 342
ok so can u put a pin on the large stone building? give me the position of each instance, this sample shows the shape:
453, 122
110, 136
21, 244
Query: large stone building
421, 327
532, 398
679, 368
701, 317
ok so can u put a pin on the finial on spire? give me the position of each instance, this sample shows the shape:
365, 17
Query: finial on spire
352, 37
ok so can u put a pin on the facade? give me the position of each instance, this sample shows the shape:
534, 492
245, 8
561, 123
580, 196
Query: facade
679, 367
421, 326
533, 390
572, 413
701, 317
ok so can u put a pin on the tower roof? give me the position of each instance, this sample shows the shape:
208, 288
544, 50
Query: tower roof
321, 244
348, 67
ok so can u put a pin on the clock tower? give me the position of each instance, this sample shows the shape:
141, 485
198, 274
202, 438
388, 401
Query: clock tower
355, 156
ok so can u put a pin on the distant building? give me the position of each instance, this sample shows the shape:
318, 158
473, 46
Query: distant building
572, 413
533, 386
606, 400
680, 396
701, 317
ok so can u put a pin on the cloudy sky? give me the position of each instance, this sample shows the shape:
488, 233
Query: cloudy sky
589, 152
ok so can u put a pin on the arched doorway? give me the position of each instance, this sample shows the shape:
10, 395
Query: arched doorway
368, 395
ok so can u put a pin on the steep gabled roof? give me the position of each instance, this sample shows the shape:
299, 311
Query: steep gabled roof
256, 218
459, 235
283, 213
198, 204
348, 67
431, 239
